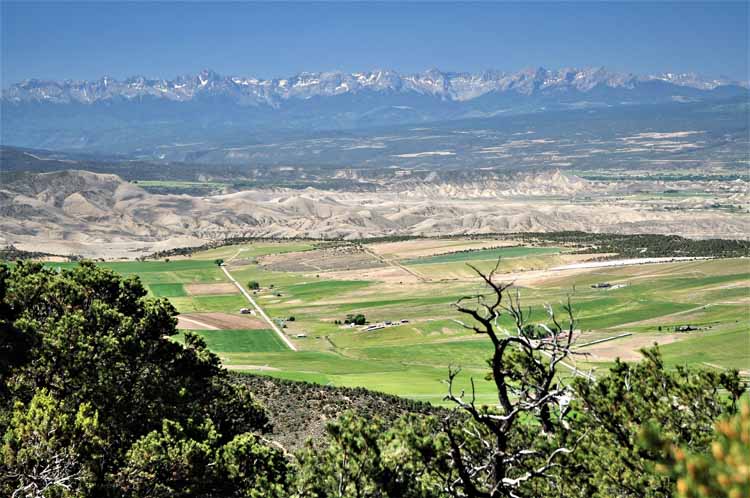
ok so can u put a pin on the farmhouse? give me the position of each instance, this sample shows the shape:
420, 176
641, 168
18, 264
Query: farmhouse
384, 324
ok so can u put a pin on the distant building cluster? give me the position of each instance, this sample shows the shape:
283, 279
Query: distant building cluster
384, 324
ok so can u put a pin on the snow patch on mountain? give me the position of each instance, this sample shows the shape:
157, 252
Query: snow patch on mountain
447, 86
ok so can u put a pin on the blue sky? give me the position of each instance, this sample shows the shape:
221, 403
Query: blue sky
87, 41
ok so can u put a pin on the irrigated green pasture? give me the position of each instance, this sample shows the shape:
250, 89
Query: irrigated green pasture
649, 301
247, 251
241, 341
167, 290
229, 303
483, 255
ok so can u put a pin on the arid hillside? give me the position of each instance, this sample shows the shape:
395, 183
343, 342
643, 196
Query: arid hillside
101, 215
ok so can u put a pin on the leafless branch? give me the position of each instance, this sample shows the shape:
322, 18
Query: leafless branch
524, 370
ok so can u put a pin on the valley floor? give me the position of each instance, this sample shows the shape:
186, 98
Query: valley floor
697, 310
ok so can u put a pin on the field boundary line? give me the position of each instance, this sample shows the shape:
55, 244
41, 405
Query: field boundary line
606, 339
676, 313
260, 311
395, 264
233, 257
196, 322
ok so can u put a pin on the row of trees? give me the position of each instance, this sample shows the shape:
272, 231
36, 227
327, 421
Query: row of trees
642, 245
98, 401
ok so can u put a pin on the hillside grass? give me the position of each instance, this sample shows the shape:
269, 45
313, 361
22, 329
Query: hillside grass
723, 348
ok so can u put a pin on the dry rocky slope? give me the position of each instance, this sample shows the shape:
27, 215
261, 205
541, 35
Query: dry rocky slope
100, 215
300, 410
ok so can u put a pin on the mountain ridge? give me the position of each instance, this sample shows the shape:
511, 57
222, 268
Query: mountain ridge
452, 86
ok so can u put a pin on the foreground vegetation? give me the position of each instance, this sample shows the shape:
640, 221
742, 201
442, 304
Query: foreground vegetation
99, 401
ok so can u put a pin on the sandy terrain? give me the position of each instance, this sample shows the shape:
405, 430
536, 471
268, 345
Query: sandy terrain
322, 260
623, 262
191, 323
429, 247
219, 321
388, 274
626, 348
208, 289
98, 215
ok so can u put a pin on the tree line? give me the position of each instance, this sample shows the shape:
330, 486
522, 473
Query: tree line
643, 245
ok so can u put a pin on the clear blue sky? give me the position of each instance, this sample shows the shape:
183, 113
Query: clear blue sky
89, 40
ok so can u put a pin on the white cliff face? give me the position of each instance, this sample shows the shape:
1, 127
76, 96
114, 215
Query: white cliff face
254, 91
51, 208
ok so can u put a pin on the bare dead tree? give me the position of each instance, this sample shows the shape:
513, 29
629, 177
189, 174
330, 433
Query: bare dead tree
59, 471
45, 468
489, 453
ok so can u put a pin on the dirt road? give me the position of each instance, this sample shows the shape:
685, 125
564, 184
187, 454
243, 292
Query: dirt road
260, 311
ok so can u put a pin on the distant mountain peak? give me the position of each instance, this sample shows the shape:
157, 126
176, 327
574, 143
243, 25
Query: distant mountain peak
433, 82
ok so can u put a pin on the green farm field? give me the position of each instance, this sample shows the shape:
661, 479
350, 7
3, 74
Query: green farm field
648, 302
484, 255
240, 341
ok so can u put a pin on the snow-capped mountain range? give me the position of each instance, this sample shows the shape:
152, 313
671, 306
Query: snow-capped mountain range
139, 114
447, 86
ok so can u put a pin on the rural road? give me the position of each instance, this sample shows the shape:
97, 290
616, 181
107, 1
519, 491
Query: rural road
394, 264
625, 262
260, 311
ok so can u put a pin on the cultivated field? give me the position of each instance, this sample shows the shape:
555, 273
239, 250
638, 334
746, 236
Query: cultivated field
305, 288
